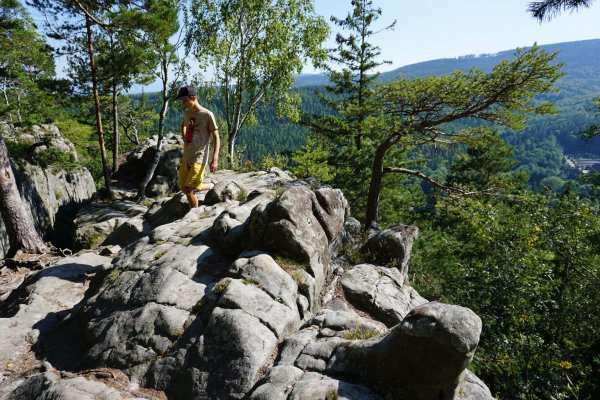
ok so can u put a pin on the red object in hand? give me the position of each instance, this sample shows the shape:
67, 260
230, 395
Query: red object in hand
189, 133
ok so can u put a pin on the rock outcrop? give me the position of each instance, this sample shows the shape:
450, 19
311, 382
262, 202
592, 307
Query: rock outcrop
164, 180
53, 196
248, 296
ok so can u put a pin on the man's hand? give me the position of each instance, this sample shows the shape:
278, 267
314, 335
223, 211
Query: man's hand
213, 165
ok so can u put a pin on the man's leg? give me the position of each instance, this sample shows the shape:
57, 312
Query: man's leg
191, 196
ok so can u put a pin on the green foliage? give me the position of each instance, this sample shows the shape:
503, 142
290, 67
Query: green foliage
361, 333
250, 71
267, 162
160, 254
527, 265
311, 161
56, 158
221, 286
84, 138
331, 394
26, 67
242, 195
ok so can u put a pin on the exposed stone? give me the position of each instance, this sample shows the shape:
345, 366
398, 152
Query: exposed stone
472, 388
170, 211
381, 292
393, 246
164, 180
425, 356
224, 191
50, 386
38, 305
224, 302
126, 233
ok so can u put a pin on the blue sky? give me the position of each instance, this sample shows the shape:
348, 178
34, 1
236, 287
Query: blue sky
430, 29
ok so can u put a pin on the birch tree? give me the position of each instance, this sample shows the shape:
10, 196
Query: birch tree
256, 47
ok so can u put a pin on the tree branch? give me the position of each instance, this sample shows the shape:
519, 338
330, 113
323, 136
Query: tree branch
90, 16
422, 176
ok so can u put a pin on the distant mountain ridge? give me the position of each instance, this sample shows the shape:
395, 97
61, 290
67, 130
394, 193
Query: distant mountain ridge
581, 61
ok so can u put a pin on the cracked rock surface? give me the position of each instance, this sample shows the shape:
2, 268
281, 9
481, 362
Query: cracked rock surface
226, 301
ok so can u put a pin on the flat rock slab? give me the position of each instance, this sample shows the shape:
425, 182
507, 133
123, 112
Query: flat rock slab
38, 305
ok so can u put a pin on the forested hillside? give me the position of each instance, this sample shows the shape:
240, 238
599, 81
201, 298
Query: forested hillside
539, 147
471, 160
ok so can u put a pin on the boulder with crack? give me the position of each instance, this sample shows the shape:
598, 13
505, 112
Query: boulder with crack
183, 313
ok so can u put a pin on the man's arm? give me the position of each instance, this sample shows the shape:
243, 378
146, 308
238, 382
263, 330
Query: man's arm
217, 145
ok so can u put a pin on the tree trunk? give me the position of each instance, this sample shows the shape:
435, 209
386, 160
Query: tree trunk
231, 148
115, 116
19, 118
105, 169
22, 235
5, 93
375, 185
141, 192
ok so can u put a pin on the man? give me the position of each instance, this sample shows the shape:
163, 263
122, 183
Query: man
198, 126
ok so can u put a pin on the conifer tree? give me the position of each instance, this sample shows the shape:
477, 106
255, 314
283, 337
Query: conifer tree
419, 112
547, 9
352, 72
26, 65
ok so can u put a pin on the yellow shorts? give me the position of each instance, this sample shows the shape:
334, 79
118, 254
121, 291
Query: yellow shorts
191, 175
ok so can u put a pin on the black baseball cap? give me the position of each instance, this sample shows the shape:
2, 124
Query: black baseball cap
185, 92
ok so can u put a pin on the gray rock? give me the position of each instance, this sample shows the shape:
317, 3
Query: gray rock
157, 327
279, 318
261, 269
170, 211
48, 293
49, 386
224, 191
314, 386
224, 362
393, 246
277, 383
126, 233
164, 180
52, 197
425, 356
180, 310
381, 292
287, 382
347, 323
229, 230
294, 345
297, 225
131, 208
316, 355
472, 388
93, 225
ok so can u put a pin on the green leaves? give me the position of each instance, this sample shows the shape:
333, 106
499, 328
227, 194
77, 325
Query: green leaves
256, 47
528, 265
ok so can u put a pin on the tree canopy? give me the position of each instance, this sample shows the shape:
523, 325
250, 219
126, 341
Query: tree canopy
255, 48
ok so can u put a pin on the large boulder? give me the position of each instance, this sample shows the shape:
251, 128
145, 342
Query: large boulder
183, 313
381, 292
51, 195
137, 162
248, 298
392, 247
425, 356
